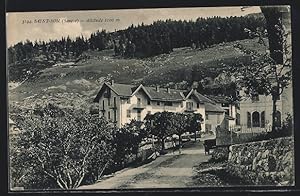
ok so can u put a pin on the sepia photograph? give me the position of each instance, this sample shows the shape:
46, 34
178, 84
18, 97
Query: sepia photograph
150, 98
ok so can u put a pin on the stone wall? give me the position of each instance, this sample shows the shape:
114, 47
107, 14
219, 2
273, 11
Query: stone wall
220, 154
268, 162
226, 137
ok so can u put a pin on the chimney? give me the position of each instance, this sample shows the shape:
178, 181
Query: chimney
157, 88
168, 89
112, 82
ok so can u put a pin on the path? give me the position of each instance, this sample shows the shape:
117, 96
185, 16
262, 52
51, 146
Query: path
167, 171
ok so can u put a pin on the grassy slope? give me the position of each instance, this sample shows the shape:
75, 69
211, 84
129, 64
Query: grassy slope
79, 84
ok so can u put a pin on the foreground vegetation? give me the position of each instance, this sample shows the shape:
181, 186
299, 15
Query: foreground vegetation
65, 148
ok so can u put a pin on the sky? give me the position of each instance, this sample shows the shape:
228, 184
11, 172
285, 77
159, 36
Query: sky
21, 26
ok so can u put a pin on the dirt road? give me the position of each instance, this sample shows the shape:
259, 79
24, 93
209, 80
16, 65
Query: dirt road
167, 171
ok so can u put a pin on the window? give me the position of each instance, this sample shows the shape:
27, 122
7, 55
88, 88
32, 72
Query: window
103, 104
238, 119
115, 101
158, 103
128, 113
198, 105
168, 104
227, 111
248, 119
189, 105
115, 116
262, 119
225, 104
139, 101
108, 114
128, 101
181, 104
206, 117
108, 101
107, 93
255, 119
139, 115
255, 97
149, 102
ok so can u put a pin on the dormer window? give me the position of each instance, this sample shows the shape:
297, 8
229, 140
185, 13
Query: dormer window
255, 97
225, 104
107, 93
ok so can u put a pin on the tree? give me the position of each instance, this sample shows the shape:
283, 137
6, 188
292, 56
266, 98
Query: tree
159, 125
127, 140
194, 123
62, 146
179, 124
268, 75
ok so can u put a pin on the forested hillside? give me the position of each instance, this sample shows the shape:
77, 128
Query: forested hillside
27, 58
166, 53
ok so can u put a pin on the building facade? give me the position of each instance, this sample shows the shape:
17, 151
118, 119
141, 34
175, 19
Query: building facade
256, 113
121, 103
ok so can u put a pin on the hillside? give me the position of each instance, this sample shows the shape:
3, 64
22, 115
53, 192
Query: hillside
76, 83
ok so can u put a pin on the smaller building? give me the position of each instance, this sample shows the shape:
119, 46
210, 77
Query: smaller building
231, 107
214, 116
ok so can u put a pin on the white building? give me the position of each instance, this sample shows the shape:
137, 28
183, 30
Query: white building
256, 112
120, 103
231, 108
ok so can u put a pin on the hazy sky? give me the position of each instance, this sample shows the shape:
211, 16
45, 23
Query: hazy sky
16, 31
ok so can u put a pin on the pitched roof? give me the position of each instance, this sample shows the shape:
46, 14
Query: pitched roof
219, 99
127, 90
203, 98
209, 107
164, 95
122, 89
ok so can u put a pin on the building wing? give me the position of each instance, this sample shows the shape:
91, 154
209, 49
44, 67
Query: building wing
209, 107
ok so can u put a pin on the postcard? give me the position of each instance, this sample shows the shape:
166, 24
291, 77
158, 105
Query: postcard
152, 98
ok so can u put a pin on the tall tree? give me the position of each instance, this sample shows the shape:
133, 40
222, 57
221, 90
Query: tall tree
267, 75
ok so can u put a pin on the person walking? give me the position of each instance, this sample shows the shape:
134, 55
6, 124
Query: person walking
174, 144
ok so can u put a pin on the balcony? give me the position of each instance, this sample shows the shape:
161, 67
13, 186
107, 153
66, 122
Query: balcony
114, 107
138, 106
190, 110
